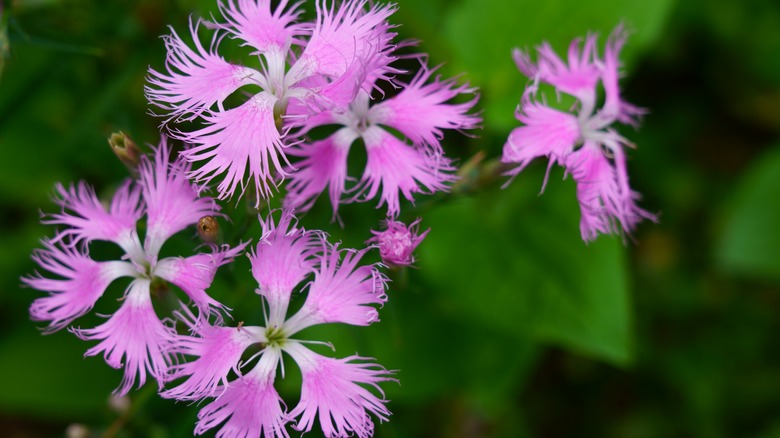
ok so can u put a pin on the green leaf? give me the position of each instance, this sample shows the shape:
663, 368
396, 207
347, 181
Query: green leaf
515, 262
437, 354
48, 377
750, 242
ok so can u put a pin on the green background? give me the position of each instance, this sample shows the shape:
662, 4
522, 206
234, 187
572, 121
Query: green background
510, 325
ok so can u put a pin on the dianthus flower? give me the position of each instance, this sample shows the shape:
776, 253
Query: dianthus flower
420, 112
316, 66
397, 242
248, 405
584, 142
133, 335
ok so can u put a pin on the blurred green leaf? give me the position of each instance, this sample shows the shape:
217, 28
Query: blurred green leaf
46, 376
516, 262
436, 353
750, 242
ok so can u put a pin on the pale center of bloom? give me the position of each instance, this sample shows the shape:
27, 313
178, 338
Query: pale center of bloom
358, 116
144, 268
143, 264
592, 125
275, 337
274, 74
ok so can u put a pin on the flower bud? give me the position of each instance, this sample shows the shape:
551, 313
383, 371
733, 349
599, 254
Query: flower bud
398, 242
126, 150
208, 229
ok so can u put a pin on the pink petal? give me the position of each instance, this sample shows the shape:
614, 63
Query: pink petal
304, 118
284, 256
237, 138
194, 275
250, 406
614, 107
606, 201
254, 22
85, 218
578, 78
339, 92
342, 37
135, 335
524, 63
83, 282
195, 80
367, 67
332, 391
397, 167
420, 111
547, 132
341, 292
172, 202
216, 352
323, 166
379, 59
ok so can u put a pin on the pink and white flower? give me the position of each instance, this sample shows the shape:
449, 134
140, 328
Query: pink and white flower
583, 142
398, 241
315, 66
395, 167
343, 393
134, 336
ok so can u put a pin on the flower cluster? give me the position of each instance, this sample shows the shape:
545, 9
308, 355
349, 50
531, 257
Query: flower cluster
340, 53
309, 74
133, 335
305, 75
584, 142
340, 291
333, 71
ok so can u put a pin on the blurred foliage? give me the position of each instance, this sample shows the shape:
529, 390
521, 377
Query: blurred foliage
750, 240
510, 325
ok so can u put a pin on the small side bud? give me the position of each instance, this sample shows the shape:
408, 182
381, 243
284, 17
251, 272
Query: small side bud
398, 242
126, 150
208, 229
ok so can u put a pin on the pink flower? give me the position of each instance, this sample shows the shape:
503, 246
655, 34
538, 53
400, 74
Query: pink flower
330, 60
584, 142
339, 290
133, 337
398, 242
395, 167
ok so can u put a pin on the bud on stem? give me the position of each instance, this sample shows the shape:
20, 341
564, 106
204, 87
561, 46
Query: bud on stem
208, 229
126, 150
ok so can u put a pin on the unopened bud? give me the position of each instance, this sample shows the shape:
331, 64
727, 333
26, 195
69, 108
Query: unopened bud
126, 150
398, 242
208, 228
